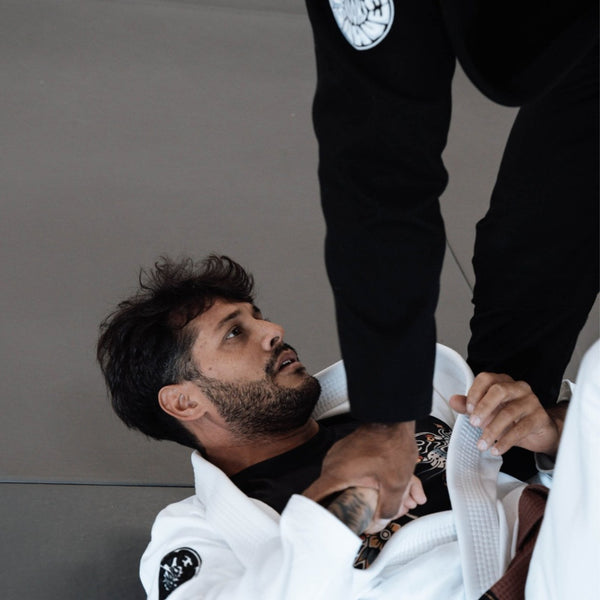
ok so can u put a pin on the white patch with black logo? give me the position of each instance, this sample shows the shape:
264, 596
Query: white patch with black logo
176, 568
364, 23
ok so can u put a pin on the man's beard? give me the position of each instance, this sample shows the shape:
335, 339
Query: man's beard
259, 409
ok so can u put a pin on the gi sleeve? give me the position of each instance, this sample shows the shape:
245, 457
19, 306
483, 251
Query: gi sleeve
381, 117
311, 556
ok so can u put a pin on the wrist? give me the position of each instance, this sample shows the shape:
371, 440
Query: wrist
398, 436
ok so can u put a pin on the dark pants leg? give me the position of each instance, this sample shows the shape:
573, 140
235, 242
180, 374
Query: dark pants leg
536, 252
381, 117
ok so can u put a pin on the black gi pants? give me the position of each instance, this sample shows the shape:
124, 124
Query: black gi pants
536, 251
381, 117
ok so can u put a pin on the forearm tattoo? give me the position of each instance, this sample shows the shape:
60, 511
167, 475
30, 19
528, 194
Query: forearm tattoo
353, 509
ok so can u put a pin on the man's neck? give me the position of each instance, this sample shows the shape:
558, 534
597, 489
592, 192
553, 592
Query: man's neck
237, 455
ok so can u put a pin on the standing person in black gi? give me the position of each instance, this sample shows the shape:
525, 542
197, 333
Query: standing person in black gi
381, 115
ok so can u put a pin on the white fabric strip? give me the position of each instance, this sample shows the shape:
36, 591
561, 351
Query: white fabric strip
472, 480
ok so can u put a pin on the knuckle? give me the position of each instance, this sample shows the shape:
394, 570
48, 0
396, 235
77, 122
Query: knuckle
511, 410
498, 388
486, 377
523, 426
532, 399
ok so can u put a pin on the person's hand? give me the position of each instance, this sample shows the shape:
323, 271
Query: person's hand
413, 496
509, 414
356, 506
376, 455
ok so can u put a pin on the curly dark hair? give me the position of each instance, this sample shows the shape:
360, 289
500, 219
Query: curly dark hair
145, 344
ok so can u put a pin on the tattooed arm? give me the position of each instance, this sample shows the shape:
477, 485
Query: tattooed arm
355, 507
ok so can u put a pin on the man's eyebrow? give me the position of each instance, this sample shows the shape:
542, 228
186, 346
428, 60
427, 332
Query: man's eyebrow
230, 317
235, 314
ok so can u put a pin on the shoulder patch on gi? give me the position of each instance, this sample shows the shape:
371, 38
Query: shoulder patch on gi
176, 568
364, 23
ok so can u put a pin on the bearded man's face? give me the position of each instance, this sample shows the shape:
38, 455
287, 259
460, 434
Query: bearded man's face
253, 378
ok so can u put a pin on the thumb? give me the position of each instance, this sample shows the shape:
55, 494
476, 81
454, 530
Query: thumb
458, 402
417, 492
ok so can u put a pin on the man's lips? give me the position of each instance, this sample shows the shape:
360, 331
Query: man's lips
285, 360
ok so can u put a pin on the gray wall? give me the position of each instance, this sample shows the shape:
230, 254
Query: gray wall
131, 129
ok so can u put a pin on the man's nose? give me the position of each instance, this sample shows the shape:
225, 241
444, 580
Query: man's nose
272, 335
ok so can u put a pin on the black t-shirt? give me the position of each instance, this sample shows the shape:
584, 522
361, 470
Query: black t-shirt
274, 480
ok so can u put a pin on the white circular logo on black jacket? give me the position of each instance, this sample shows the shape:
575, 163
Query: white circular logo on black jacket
364, 23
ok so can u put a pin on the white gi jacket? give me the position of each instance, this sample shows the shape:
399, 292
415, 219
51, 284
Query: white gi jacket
223, 545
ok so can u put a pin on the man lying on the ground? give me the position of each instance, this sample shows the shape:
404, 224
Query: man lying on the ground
191, 359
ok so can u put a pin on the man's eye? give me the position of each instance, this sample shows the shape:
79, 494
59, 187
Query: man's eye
234, 332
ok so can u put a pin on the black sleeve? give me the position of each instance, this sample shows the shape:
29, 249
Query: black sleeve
381, 117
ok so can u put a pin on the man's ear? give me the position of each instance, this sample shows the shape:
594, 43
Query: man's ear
183, 401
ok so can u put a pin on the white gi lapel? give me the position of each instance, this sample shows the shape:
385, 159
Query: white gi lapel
244, 523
